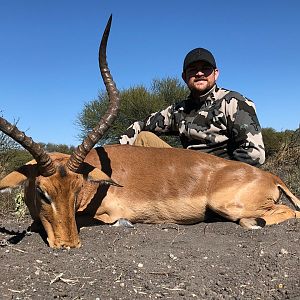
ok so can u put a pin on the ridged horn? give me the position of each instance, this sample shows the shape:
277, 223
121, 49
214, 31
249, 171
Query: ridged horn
106, 121
44, 162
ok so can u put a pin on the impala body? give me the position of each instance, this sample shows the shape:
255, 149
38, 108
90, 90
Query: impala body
148, 185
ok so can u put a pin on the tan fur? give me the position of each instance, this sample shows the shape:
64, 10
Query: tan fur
155, 186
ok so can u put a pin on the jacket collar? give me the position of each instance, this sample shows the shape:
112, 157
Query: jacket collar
209, 96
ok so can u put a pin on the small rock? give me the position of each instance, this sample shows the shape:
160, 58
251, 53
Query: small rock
173, 256
283, 251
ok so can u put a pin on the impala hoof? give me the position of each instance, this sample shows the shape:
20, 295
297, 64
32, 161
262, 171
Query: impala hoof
123, 223
252, 223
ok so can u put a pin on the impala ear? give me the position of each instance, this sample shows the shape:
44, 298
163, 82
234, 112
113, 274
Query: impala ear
93, 174
18, 177
12, 180
98, 176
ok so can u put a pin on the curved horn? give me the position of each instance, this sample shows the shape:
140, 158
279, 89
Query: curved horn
44, 162
106, 121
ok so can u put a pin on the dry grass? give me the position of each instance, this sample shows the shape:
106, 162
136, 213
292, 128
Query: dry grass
286, 163
6, 203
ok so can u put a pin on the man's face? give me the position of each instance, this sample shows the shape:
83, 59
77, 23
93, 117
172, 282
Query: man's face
200, 77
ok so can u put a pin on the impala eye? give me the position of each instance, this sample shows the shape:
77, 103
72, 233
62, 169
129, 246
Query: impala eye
43, 195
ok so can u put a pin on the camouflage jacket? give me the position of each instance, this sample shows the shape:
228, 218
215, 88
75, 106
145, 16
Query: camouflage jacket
221, 122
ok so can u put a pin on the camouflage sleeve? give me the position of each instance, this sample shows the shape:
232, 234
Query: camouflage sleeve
245, 132
129, 136
157, 122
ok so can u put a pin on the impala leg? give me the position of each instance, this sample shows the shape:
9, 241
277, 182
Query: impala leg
105, 218
280, 213
114, 219
277, 214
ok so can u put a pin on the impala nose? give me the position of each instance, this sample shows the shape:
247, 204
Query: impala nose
68, 245
59, 244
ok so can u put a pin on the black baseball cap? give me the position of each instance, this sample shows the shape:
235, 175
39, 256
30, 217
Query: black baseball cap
199, 54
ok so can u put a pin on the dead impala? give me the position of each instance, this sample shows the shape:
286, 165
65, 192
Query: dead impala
147, 185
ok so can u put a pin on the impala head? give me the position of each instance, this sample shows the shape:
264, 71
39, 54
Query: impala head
53, 181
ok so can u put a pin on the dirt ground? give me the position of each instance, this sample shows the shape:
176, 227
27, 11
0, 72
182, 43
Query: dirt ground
218, 260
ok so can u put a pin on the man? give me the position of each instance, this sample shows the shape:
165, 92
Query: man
211, 119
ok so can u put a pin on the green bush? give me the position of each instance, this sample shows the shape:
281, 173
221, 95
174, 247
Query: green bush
20, 206
136, 104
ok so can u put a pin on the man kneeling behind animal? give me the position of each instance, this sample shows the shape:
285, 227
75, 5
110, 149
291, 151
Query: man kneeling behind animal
212, 119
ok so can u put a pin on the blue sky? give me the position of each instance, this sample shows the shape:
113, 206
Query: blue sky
49, 67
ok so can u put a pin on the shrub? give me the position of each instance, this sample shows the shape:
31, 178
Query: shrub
286, 161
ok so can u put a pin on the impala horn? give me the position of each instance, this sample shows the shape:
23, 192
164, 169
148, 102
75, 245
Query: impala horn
106, 121
44, 162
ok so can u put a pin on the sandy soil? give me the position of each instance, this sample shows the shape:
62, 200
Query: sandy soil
218, 260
